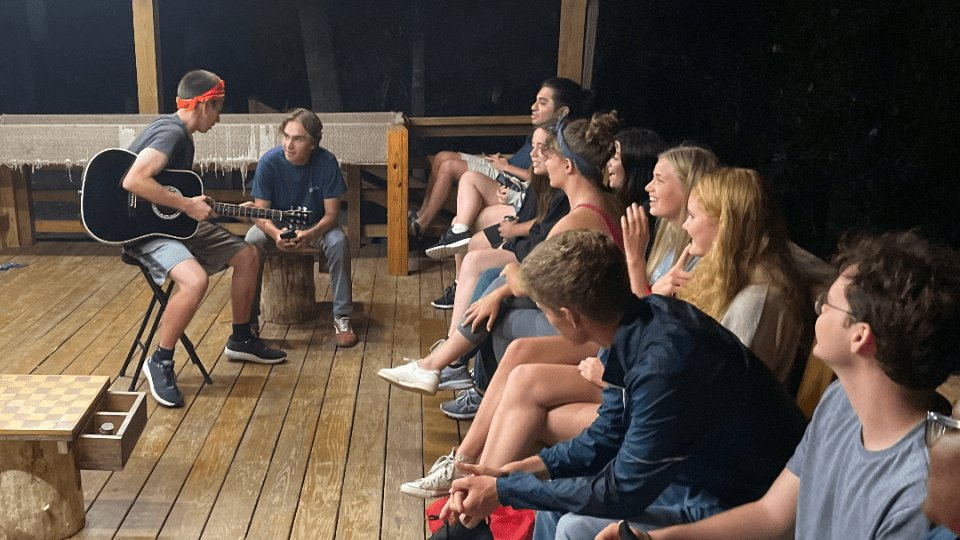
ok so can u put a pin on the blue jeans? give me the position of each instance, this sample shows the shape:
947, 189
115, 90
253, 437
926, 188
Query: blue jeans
335, 248
677, 504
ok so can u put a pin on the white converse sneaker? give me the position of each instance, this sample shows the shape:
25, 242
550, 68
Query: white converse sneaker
437, 482
411, 376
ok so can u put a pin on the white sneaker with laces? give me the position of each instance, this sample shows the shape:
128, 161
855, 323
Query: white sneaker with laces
437, 482
411, 376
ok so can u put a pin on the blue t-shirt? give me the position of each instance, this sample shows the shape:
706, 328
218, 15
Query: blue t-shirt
521, 158
285, 185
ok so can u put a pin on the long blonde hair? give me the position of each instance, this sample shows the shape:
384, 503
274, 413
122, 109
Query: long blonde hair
690, 163
751, 245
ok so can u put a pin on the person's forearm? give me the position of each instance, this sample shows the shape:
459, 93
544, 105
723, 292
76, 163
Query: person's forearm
533, 465
637, 270
748, 522
523, 174
321, 228
267, 227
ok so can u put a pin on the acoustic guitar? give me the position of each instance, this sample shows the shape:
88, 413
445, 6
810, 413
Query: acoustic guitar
114, 215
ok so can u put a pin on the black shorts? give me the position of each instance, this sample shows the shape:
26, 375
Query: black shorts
493, 235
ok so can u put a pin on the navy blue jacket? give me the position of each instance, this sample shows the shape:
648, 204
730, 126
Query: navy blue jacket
695, 407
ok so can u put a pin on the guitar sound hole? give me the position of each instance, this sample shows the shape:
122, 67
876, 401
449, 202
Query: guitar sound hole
166, 212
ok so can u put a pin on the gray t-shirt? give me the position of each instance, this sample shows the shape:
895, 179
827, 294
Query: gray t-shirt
850, 493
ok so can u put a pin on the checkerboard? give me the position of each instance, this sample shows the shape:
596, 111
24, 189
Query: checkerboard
51, 407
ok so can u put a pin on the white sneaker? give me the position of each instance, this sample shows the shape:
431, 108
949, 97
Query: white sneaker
437, 482
411, 376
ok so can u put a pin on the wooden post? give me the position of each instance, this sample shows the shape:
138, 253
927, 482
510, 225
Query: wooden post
40, 490
578, 29
397, 193
17, 203
146, 38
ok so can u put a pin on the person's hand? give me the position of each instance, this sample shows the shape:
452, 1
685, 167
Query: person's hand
510, 228
675, 278
636, 232
472, 499
480, 470
484, 309
502, 193
199, 208
591, 369
287, 244
497, 161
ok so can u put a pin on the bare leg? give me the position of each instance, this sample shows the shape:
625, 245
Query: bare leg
192, 284
474, 263
567, 421
445, 171
477, 242
245, 265
540, 350
532, 391
475, 192
452, 349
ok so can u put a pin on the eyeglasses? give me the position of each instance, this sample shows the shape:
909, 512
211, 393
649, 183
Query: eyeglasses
937, 425
822, 301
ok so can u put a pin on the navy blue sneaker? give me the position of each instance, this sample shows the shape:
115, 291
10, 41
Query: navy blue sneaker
450, 244
253, 350
163, 382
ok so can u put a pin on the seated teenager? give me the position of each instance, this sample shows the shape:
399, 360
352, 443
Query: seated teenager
557, 96
887, 328
674, 437
575, 157
539, 213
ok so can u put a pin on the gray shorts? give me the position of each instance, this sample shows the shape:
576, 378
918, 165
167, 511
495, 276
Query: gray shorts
212, 247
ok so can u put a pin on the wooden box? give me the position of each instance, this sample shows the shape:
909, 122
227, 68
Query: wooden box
127, 412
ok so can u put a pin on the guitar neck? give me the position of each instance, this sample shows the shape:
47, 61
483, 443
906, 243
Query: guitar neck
234, 210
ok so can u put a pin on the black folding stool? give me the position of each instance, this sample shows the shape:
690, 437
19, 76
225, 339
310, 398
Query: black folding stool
159, 300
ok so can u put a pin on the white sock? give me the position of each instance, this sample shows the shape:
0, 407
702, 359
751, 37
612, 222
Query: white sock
458, 228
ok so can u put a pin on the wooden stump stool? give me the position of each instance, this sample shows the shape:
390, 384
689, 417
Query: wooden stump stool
289, 294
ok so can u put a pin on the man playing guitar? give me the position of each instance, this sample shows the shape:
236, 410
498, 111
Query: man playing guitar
168, 143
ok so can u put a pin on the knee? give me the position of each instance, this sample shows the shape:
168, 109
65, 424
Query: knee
246, 258
518, 351
193, 284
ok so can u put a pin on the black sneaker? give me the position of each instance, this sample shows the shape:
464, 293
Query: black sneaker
446, 300
163, 382
450, 244
253, 350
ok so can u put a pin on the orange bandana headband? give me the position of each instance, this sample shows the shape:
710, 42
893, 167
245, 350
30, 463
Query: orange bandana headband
214, 93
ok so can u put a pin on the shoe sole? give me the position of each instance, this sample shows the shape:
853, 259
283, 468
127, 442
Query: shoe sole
423, 390
247, 357
448, 250
459, 416
440, 305
156, 397
423, 493
459, 384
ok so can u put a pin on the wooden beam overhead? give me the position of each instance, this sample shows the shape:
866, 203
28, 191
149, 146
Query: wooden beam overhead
146, 37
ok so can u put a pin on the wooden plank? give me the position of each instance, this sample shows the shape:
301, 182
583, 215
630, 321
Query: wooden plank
59, 226
16, 203
573, 15
469, 126
402, 514
397, 194
363, 490
146, 38
352, 177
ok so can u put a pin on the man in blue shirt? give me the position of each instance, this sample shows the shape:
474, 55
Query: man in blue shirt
301, 174
691, 424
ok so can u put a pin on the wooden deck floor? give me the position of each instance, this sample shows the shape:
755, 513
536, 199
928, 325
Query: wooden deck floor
313, 448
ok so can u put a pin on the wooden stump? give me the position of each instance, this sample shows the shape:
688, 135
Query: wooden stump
40, 491
289, 294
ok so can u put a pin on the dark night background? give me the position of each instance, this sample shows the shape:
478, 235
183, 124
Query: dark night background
850, 108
